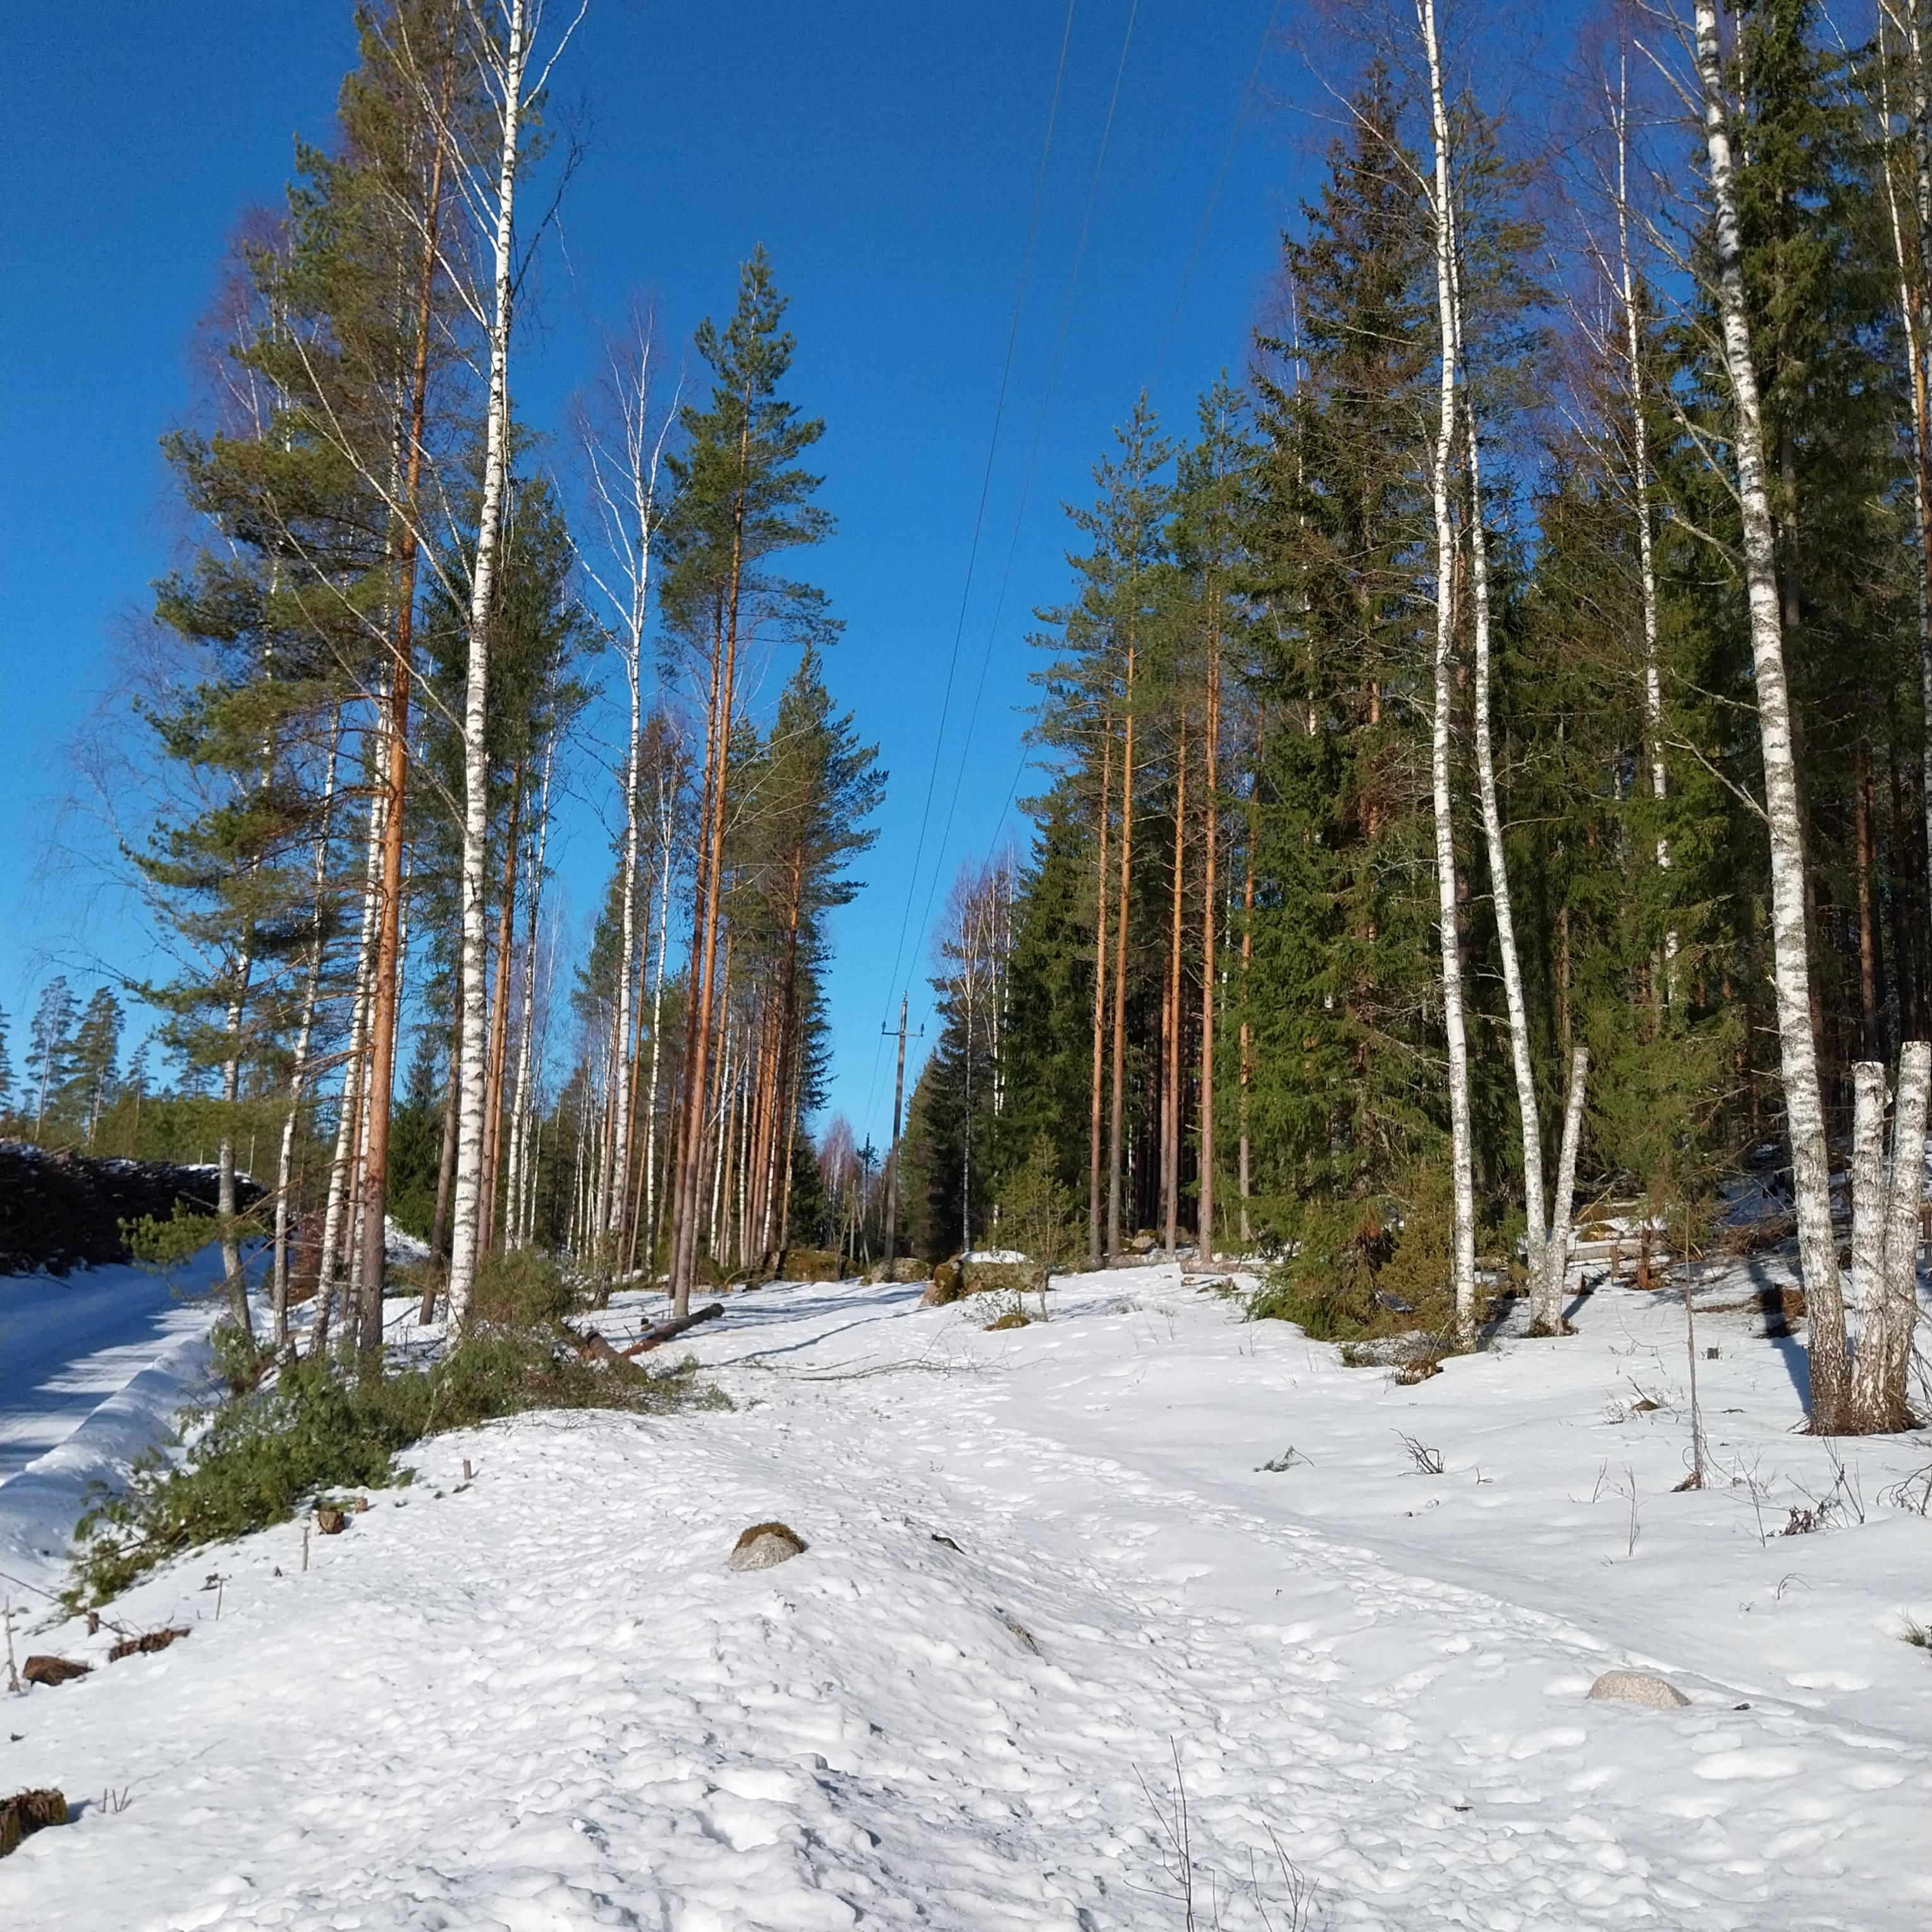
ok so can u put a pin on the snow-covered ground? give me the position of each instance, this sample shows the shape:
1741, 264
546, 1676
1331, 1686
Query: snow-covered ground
1058, 1577
94, 1366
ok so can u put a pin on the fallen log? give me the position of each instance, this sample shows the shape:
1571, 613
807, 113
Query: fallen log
666, 1331
591, 1345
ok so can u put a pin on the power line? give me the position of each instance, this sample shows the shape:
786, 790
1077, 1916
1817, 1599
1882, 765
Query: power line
986, 480
1174, 317
1032, 459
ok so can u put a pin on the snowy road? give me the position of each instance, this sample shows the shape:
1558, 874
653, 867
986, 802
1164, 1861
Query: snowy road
66, 1345
1050, 1588
93, 1369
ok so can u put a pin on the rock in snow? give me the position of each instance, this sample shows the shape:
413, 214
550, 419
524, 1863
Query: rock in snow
765, 1546
1638, 1686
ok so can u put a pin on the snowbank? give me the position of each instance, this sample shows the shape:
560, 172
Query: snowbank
1057, 1577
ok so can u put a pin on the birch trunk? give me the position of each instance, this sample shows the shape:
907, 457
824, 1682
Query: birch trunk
1527, 1110
342, 1177
234, 1281
1886, 1352
526, 1048
500, 1016
1549, 1280
1462, 1252
1868, 1198
631, 519
1653, 678
1804, 1106
299, 1073
467, 1235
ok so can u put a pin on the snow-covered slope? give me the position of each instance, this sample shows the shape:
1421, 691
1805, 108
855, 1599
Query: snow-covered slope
1051, 1587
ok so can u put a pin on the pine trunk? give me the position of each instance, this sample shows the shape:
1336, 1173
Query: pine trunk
387, 989
1211, 828
1171, 1075
1093, 1226
1117, 1120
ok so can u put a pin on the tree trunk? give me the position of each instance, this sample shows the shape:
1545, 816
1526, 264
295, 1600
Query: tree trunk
1864, 841
684, 1224
657, 1030
1653, 678
467, 1245
517, 1236
343, 1178
1210, 825
1797, 1045
1887, 1368
1528, 1112
1117, 1117
234, 1280
1462, 1253
1093, 1231
1868, 1202
1170, 1031
499, 1017
386, 990
299, 1073
1549, 1279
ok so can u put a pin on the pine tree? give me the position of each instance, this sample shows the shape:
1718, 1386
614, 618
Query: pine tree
95, 1059
740, 498
49, 1047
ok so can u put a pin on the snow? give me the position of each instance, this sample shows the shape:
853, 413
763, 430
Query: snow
93, 1368
1183, 1555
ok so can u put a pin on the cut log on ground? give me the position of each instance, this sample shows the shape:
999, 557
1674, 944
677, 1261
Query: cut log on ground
666, 1331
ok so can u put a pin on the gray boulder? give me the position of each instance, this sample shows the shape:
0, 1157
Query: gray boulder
765, 1546
1638, 1686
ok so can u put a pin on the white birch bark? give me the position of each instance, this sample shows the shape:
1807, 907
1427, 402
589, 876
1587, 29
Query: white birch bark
1653, 677
1527, 1110
628, 500
1548, 1311
1462, 1253
466, 1231
1804, 1105
299, 1072
235, 1280
348, 1126
520, 1105
1885, 1404
1868, 1192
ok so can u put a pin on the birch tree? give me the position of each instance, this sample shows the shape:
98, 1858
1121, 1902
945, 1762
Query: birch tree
506, 59
1798, 1047
1462, 1252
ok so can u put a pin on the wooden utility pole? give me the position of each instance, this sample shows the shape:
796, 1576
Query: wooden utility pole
893, 1159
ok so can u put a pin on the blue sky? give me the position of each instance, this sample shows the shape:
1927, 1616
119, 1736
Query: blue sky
885, 154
